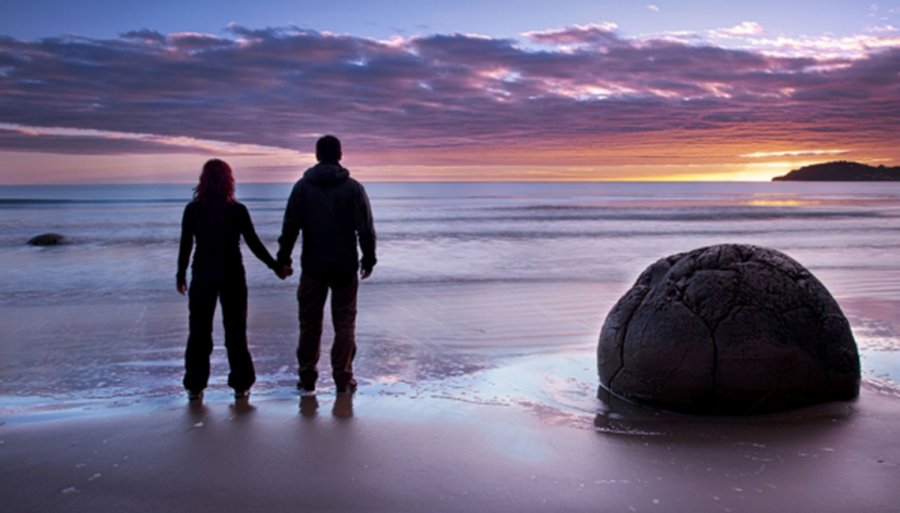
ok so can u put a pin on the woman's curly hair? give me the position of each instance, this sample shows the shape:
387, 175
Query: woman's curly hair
216, 183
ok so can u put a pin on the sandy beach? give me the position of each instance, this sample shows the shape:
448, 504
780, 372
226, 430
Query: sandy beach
382, 453
477, 341
458, 420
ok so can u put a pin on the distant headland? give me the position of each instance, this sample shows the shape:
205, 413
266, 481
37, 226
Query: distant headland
842, 171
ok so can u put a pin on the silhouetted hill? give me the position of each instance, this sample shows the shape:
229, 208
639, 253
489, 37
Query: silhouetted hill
842, 171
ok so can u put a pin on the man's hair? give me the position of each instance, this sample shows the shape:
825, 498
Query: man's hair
328, 149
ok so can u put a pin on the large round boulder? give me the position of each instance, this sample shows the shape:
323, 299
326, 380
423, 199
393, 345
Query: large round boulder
728, 329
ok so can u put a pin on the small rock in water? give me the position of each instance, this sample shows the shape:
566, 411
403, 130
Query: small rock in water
47, 239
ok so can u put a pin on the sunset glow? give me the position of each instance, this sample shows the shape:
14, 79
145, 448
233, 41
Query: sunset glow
596, 99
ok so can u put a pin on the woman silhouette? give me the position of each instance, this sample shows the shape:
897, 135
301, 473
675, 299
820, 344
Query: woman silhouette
217, 221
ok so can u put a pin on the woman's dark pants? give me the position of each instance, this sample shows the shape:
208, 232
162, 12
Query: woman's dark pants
203, 295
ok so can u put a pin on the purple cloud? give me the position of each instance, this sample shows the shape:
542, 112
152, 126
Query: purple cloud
439, 98
592, 34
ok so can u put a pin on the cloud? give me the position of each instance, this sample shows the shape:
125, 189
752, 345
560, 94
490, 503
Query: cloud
883, 29
794, 153
592, 34
145, 35
825, 48
579, 94
747, 28
652, 7
90, 141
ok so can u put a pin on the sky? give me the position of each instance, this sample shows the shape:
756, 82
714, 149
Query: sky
101, 91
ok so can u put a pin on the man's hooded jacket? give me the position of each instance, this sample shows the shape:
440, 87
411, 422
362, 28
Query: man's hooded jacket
333, 212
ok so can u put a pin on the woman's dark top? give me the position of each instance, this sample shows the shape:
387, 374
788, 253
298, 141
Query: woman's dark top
217, 229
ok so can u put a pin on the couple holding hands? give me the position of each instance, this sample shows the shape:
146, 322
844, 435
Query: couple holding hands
334, 214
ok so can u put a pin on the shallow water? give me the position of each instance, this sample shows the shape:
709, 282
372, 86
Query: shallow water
490, 293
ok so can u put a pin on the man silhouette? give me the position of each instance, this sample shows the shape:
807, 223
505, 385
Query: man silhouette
333, 211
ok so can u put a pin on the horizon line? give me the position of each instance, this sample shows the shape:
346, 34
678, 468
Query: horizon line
364, 182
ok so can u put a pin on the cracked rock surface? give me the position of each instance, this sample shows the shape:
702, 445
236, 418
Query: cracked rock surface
728, 329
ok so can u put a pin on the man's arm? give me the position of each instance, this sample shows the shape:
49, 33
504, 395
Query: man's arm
290, 228
365, 230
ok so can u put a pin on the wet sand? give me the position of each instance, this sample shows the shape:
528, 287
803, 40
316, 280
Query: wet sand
382, 453
472, 398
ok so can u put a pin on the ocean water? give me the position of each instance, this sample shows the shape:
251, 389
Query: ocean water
471, 276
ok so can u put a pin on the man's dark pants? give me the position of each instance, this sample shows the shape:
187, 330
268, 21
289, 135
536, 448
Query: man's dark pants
311, 296
202, 296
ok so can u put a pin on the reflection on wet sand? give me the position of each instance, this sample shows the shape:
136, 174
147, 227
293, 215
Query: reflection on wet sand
309, 406
242, 407
616, 416
343, 406
197, 411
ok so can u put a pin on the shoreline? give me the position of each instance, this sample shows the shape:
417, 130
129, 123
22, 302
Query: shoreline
413, 341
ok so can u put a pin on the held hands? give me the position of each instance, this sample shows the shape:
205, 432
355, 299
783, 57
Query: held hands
284, 271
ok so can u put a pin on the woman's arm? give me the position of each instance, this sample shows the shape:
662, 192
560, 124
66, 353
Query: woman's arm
184, 250
253, 242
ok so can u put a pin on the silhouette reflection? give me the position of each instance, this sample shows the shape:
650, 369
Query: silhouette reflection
196, 414
242, 407
309, 406
343, 406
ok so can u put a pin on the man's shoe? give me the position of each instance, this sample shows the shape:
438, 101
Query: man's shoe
306, 390
347, 388
195, 395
